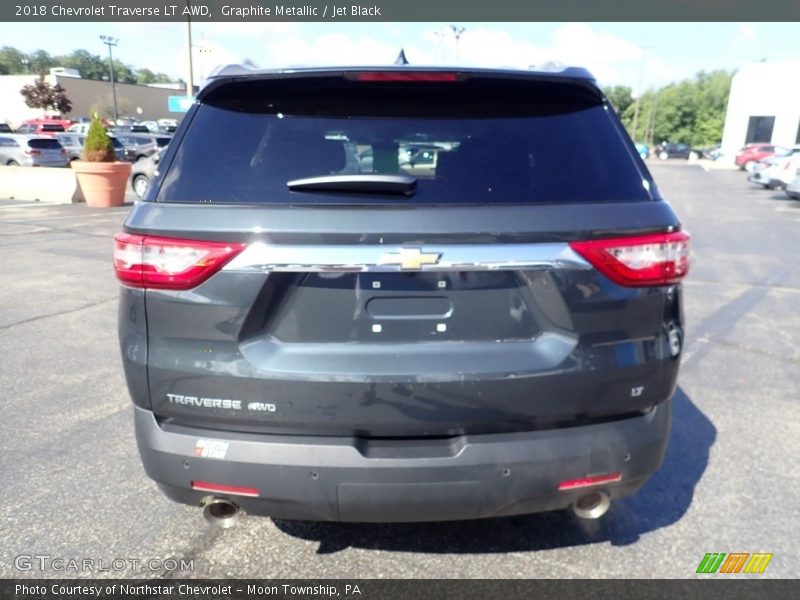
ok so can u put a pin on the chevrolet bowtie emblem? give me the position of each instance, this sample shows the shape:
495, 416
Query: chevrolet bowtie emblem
409, 259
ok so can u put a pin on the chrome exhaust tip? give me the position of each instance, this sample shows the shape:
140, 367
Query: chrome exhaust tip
592, 506
220, 512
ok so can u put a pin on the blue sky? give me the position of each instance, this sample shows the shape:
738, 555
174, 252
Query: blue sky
613, 51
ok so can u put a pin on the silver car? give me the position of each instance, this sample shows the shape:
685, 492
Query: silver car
32, 151
143, 172
73, 144
138, 146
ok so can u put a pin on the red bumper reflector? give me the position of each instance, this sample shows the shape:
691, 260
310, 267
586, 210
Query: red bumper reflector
205, 486
572, 484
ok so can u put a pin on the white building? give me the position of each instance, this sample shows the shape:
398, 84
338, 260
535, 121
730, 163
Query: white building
764, 106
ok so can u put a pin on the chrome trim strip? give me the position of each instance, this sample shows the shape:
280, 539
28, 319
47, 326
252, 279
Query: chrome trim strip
376, 258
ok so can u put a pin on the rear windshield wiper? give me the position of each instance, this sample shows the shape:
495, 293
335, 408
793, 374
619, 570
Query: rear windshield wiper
358, 184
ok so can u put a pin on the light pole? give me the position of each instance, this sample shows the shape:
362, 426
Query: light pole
638, 93
457, 33
111, 41
189, 67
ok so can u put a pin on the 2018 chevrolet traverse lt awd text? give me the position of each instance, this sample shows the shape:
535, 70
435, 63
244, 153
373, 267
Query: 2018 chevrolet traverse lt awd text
493, 330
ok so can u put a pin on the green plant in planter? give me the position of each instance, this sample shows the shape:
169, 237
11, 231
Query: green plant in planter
98, 146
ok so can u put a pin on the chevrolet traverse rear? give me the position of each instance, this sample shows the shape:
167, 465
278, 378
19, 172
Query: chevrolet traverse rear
401, 294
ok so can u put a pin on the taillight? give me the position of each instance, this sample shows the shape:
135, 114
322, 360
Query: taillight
645, 260
405, 76
167, 263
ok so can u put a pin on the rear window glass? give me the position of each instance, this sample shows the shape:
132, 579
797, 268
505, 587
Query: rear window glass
52, 127
467, 142
49, 144
163, 141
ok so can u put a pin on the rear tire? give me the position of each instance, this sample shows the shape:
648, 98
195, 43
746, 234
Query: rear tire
140, 185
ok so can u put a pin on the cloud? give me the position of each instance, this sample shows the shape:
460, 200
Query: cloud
334, 49
745, 34
611, 58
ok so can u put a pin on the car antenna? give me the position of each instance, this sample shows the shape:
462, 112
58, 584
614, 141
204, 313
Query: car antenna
401, 58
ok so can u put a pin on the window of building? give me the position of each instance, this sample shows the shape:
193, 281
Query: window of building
759, 129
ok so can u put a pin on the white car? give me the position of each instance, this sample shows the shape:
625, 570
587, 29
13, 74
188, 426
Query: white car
793, 188
776, 172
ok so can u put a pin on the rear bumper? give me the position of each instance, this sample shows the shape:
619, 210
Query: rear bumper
348, 479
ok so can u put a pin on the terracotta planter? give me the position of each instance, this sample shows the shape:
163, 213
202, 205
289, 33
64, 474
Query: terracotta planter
102, 183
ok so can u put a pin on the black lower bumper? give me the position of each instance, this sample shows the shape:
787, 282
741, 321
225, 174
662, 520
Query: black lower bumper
350, 479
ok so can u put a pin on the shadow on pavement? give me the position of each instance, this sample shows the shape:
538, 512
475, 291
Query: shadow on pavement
660, 503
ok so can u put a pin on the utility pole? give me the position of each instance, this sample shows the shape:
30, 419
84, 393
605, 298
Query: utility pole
638, 94
653, 118
189, 69
111, 41
457, 33
440, 46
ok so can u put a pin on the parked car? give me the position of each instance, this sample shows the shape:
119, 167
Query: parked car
776, 172
747, 157
143, 172
5, 128
665, 151
498, 335
150, 126
793, 187
137, 128
73, 144
41, 128
138, 146
713, 153
20, 150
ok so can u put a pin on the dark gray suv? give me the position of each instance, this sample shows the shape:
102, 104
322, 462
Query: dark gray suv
492, 331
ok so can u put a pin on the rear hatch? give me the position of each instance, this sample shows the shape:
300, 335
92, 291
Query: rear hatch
46, 151
382, 256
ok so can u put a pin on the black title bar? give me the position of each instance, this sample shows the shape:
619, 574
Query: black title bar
398, 10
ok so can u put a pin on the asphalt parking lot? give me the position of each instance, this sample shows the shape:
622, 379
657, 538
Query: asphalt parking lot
72, 485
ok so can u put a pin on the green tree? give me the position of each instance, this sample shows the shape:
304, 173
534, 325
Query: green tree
620, 96
12, 61
689, 112
98, 147
40, 94
145, 76
90, 66
41, 61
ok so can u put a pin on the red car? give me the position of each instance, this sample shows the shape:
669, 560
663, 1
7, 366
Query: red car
747, 157
47, 126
